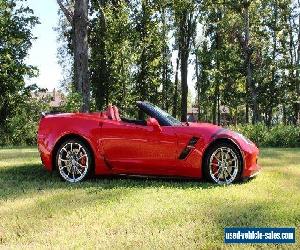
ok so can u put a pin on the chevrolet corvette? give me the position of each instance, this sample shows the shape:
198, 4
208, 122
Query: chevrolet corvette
78, 145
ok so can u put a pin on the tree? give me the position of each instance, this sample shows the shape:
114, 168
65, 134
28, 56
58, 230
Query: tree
176, 89
244, 37
16, 25
166, 63
297, 64
112, 54
100, 72
185, 13
147, 44
78, 19
246, 56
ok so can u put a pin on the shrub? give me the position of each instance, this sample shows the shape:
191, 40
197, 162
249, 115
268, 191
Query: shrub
21, 128
283, 136
73, 102
277, 136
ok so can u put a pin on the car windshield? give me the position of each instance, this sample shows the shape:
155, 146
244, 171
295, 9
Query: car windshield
173, 121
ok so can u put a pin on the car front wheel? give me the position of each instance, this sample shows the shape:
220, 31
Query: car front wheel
223, 163
73, 160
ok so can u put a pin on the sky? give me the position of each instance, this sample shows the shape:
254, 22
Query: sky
44, 49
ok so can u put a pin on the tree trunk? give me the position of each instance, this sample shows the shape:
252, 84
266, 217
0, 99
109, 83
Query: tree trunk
249, 74
187, 26
247, 113
80, 22
273, 72
297, 108
142, 83
218, 106
269, 117
165, 87
218, 81
284, 114
215, 106
4, 112
175, 97
184, 84
198, 83
236, 117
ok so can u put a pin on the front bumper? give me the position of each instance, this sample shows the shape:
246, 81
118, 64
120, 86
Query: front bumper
253, 175
251, 167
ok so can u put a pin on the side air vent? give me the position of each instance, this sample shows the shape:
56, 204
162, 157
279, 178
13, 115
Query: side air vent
193, 141
190, 146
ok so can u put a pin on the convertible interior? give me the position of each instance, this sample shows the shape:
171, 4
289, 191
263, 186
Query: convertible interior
112, 113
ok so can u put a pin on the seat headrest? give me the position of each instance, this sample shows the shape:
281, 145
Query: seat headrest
117, 115
110, 112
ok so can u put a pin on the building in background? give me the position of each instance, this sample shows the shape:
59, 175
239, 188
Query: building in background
54, 98
192, 114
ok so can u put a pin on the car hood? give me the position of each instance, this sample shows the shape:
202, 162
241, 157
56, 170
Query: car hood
199, 129
212, 132
203, 125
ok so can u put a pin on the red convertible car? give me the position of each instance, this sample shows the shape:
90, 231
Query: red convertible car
80, 144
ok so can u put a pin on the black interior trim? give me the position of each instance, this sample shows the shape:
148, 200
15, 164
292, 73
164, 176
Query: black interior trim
137, 122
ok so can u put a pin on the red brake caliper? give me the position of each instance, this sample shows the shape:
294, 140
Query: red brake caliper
214, 166
83, 161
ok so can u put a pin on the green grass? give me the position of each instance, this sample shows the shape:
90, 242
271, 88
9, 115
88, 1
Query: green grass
37, 210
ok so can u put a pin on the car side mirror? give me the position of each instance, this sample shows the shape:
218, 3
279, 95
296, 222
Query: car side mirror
154, 123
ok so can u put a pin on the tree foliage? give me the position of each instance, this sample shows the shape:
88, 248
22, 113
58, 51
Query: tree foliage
245, 56
16, 23
249, 53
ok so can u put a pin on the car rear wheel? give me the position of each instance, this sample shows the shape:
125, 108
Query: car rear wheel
223, 163
73, 160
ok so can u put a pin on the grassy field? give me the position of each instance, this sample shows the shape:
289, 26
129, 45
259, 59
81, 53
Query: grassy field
37, 210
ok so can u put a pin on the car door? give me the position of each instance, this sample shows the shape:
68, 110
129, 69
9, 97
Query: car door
137, 149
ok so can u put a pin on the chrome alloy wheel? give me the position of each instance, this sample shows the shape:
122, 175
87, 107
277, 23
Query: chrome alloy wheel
73, 161
223, 165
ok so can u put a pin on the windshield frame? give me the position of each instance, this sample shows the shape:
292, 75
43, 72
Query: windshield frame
163, 117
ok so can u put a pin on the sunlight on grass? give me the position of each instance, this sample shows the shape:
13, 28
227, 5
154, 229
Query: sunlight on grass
38, 210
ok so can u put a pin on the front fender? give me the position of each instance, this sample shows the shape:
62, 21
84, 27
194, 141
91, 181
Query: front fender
248, 149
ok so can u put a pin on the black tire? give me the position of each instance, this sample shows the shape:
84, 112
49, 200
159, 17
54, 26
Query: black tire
74, 166
227, 171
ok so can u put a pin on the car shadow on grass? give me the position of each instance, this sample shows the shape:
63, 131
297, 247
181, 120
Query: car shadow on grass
27, 178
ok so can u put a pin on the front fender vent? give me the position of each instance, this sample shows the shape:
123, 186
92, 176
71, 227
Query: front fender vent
189, 147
